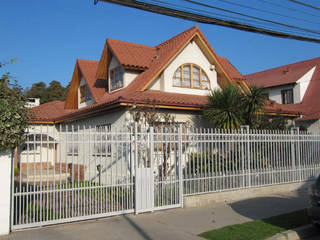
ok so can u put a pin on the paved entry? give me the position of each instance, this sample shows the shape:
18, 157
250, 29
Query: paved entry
77, 173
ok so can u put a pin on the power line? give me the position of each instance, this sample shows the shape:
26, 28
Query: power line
208, 20
257, 23
305, 4
266, 11
288, 8
253, 17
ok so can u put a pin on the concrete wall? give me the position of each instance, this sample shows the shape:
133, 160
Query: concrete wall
5, 188
311, 125
242, 194
190, 54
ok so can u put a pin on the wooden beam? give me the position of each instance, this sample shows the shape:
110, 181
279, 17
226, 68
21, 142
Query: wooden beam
72, 97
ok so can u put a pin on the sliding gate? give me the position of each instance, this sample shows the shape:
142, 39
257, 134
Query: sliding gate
78, 173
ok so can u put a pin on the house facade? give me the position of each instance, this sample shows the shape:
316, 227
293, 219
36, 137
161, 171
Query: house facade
176, 75
295, 86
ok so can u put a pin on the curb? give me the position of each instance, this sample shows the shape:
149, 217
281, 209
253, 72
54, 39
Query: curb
297, 233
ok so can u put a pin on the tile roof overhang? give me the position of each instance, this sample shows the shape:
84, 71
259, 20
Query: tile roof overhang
151, 61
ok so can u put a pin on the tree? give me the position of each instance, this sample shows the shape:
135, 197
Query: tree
55, 91
253, 103
38, 90
47, 94
223, 108
228, 108
14, 114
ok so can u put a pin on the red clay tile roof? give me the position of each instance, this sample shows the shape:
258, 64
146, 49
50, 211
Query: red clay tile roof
150, 60
233, 72
132, 55
282, 75
88, 69
290, 74
49, 111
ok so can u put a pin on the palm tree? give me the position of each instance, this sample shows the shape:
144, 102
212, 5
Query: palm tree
229, 108
223, 108
253, 103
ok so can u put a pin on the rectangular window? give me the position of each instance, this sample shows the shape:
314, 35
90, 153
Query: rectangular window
116, 78
72, 143
84, 93
102, 140
187, 76
287, 96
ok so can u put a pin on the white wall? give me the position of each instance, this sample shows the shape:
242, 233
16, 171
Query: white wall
302, 85
190, 54
311, 125
299, 88
5, 188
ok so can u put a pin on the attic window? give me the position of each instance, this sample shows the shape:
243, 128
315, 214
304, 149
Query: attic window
287, 96
84, 93
116, 78
191, 76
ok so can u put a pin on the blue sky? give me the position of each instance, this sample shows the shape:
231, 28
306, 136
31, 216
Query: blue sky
48, 36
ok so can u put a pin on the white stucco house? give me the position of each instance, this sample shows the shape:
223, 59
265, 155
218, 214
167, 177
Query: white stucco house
176, 75
295, 85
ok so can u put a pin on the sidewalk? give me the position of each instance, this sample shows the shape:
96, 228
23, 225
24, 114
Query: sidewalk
170, 224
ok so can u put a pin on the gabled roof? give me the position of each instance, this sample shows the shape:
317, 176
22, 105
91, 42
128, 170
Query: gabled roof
132, 55
151, 61
290, 74
283, 75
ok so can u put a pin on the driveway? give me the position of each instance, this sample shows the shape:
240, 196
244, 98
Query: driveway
170, 224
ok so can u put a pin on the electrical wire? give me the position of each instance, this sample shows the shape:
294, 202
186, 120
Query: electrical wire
253, 17
305, 4
270, 2
266, 11
211, 20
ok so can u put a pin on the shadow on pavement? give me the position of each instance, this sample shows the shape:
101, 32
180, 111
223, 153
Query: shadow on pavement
143, 234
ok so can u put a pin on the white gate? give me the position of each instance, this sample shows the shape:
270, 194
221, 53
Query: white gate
70, 174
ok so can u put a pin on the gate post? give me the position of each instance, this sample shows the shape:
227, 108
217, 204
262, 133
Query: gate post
135, 165
180, 164
6, 188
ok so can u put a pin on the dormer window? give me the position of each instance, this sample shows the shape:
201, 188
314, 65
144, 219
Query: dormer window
116, 78
287, 96
191, 76
84, 93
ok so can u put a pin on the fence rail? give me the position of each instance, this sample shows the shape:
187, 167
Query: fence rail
72, 173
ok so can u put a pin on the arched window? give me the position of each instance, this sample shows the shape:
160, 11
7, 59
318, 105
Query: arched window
191, 76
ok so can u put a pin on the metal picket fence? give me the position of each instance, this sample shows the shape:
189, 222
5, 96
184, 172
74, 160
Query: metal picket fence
71, 173
219, 160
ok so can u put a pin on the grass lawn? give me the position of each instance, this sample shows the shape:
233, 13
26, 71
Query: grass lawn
259, 229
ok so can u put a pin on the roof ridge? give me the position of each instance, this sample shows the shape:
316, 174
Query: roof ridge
87, 60
176, 36
283, 66
130, 43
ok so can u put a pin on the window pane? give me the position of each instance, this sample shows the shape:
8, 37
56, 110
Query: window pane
205, 85
186, 76
287, 96
177, 78
196, 77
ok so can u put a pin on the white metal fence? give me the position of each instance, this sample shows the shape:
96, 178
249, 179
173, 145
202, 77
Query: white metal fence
75, 173
219, 160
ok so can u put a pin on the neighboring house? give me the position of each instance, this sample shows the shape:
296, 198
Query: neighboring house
177, 74
296, 86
